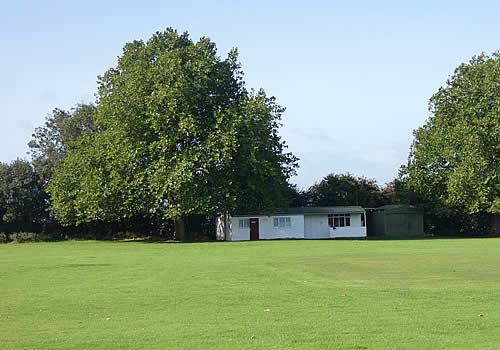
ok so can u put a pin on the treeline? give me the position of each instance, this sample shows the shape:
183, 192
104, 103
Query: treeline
175, 138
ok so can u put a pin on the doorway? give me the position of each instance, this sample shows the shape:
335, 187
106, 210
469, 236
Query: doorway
254, 229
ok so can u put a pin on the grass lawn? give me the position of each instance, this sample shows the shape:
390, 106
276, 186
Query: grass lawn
425, 294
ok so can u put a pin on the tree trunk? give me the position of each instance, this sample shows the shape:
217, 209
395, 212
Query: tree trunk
180, 229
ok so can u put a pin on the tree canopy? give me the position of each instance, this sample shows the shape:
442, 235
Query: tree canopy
177, 134
346, 189
454, 160
22, 199
51, 142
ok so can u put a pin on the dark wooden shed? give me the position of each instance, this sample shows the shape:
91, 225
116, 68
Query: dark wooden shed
395, 221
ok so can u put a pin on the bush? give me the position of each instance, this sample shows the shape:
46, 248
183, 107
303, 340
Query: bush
125, 235
3, 238
24, 237
51, 236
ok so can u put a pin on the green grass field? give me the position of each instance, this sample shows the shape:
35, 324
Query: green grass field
422, 294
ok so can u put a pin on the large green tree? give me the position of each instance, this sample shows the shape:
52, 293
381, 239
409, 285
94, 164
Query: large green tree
178, 134
346, 189
454, 161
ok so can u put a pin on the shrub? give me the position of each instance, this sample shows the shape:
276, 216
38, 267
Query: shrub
3, 238
24, 237
125, 235
51, 236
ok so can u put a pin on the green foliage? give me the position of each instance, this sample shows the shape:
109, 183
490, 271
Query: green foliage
96, 181
259, 168
31, 237
346, 189
24, 237
22, 199
296, 197
454, 161
52, 141
178, 134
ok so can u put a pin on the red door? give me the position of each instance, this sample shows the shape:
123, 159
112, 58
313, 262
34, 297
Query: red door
254, 229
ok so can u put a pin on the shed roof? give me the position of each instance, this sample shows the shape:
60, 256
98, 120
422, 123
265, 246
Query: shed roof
397, 208
310, 211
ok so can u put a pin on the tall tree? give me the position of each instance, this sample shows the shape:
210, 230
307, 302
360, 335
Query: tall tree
51, 142
260, 168
346, 189
23, 202
178, 135
454, 161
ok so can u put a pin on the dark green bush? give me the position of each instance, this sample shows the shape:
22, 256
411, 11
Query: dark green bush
51, 236
125, 235
3, 238
24, 237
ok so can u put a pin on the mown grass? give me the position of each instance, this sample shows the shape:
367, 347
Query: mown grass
423, 294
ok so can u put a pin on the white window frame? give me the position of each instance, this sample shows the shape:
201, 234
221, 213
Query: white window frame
338, 217
282, 222
244, 223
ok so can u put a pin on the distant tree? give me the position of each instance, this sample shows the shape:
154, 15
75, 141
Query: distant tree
346, 189
178, 134
454, 161
52, 141
296, 197
23, 202
396, 192
389, 191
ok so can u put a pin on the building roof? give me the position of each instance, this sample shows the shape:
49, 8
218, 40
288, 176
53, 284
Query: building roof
309, 211
396, 208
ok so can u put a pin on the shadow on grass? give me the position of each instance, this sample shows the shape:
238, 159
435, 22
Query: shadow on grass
163, 241
431, 237
157, 240
84, 265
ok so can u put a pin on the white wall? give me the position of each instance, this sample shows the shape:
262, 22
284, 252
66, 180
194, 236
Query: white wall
302, 226
346, 232
267, 229
316, 226
237, 233
355, 230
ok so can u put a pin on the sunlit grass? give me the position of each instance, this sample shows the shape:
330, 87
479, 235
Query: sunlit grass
425, 294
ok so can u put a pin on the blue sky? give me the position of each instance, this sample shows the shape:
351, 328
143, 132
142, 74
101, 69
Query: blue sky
355, 76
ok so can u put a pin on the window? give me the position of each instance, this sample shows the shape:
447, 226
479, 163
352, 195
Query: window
283, 222
288, 222
244, 223
363, 223
339, 220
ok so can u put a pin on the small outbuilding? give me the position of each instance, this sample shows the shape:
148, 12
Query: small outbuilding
395, 221
298, 223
